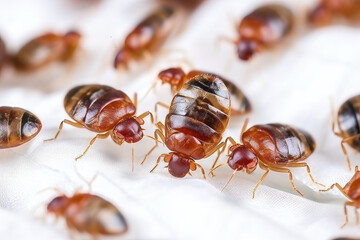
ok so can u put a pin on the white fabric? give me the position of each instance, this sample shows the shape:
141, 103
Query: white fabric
292, 84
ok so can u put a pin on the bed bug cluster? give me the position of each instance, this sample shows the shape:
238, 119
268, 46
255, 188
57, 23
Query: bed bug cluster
198, 114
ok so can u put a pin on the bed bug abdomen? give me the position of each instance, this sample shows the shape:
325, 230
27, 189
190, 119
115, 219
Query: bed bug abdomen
349, 119
98, 107
89, 213
278, 143
17, 126
199, 114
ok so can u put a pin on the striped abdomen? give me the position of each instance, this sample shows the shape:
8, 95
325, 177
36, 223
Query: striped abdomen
277, 19
17, 126
152, 31
199, 113
98, 107
93, 214
239, 102
349, 120
278, 143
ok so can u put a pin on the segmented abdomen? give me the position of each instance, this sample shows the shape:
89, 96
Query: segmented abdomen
151, 32
201, 109
98, 107
95, 215
278, 143
278, 18
17, 126
349, 120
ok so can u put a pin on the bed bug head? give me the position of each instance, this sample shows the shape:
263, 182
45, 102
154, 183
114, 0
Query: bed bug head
179, 165
128, 130
242, 158
173, 76
57, 205
246, 48
122, 58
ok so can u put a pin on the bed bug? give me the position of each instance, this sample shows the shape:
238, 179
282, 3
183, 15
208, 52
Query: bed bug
89, 213
198, 115
147, 37
46, 49
176, 77
273, 147
351, 191
348, 121
106, 111
17, 126
263, 28
327, 10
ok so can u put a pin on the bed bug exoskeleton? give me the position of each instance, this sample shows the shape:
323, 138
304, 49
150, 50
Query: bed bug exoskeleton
17, 126
263, 28
147, 37
198, 115
106, 111
327, 10
89, 213
351, 191
273, 147
176, 77
348, 121
46, 49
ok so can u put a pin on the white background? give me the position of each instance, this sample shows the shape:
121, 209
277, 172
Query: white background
292, 84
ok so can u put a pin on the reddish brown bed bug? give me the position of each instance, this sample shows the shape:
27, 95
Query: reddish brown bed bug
176, 77
147, 37
17, 126
198, 115
348, 121
351, 191
327, 10
106, 111
273, 147
89, 213
46, 49
263, 28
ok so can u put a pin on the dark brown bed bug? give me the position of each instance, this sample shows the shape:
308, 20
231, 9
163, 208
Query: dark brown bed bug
46, 49
348, 121
176, 77
3, 54
89, 213
263, 28
351, 191
198, 115
106, 111
147, 37
17, 126
327, 10
273, 147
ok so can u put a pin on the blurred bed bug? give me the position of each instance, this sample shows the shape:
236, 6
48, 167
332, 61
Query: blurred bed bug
3, 54
176, 77
263, 28
198, 115
351, 191
106, 111
273, 147
147, 37
348, 121
89, 213
46, 49
327, 10
17, 126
